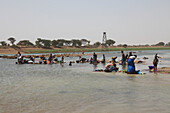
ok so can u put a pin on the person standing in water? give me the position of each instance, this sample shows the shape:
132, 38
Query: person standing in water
94, 58
114, 60
155, 62
104, 58
123, 58
130, 54
18, 56
50, 59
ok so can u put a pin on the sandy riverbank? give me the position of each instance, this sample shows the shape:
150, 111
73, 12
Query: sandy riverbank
9, 50
164, 70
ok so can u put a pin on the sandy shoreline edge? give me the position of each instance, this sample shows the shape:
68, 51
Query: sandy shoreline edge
164, 70
26, 50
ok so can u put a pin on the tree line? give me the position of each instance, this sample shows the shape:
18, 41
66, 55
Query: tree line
44, 43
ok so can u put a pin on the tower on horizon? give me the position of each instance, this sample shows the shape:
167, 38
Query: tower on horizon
104, 38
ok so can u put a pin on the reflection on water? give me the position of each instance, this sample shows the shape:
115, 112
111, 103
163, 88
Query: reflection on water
132, 78
124, 67
61, 64
95, 66
77, 89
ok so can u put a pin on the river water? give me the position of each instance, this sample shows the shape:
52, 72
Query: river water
59, 88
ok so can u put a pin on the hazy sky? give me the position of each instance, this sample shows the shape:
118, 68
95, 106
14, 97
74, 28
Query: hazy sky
125, 21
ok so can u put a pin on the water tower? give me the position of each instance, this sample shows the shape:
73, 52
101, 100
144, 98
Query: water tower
104, 38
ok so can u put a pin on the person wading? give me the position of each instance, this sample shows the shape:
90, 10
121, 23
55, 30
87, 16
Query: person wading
155, 62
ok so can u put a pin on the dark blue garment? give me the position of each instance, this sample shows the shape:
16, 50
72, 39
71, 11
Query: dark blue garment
111, 69
131, 66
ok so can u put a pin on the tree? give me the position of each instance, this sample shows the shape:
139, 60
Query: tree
12, 40
146, 45
61, 42
54, 43
43, 43
76, 42
110, 42
79, 43
125, 45
46, 43
168, 44
85, 42
38, 42
67, 42
160, 44
25, 43
89, 42
97, 44
3, 43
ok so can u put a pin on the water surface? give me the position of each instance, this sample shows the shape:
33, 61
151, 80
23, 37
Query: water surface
77, 89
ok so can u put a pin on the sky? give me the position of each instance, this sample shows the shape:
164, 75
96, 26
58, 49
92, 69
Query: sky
130, 22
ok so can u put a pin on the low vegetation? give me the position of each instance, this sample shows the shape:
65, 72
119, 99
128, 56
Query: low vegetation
76, 45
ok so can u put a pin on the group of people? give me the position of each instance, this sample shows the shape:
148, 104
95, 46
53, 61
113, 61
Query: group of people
50, 60
131, 65
93, 60
126, 60
112, 66
129, 61
22, 60
43, 60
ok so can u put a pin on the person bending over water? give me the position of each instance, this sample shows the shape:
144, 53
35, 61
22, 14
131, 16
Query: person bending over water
131, 65
111, 67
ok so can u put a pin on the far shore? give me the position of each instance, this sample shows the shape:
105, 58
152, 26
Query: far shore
25, 50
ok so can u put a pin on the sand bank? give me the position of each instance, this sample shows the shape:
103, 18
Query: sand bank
164, 70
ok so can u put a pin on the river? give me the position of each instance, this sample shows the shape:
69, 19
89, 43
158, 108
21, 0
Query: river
59, 88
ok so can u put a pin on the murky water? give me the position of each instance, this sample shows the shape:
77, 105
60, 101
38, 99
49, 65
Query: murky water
77, 89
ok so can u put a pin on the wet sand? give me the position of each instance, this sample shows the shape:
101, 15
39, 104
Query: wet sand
164, 70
